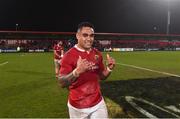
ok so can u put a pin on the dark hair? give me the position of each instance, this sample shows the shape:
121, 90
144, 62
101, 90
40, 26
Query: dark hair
85, 24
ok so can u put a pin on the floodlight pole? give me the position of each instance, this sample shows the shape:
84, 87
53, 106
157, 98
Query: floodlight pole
168, 17
17, 26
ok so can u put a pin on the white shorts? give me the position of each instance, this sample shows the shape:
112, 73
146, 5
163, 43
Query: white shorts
95, 112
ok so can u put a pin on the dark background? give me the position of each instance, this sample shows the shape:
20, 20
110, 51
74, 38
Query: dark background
121, 16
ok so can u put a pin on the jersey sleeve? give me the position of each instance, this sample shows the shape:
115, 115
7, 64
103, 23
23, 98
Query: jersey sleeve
66, 65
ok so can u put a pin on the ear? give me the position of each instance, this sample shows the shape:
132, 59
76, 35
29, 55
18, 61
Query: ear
77, 35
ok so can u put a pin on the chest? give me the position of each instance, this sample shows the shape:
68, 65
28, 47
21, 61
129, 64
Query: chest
91, 57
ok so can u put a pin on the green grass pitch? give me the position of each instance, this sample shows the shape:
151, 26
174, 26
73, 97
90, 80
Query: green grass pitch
28, 88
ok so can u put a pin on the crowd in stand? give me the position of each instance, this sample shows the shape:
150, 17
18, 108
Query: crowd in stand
47, 44
26, 45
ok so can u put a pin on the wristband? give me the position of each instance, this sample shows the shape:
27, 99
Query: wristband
75, 74
109, 69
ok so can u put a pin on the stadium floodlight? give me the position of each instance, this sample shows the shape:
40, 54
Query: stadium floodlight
168, 14
168, 17
17, 26
167, 2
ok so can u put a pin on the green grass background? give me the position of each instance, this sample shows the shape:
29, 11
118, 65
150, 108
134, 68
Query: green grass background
28, 88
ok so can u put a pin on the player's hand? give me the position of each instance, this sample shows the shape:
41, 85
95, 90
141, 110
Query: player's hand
83, 65
59, 57
110, 62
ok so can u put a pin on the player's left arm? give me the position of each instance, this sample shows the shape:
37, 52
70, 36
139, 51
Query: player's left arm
109, 67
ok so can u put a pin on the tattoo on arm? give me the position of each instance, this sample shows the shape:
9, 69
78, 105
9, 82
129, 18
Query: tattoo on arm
67, 80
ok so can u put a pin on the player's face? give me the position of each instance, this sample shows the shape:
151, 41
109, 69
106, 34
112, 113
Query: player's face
59, 43
85, 38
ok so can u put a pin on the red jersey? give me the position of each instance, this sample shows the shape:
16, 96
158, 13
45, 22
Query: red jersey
58, 50
85, 91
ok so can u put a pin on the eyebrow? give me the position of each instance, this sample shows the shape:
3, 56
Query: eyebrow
86, 34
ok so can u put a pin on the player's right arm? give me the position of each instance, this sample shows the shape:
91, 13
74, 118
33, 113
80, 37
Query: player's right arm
66, 80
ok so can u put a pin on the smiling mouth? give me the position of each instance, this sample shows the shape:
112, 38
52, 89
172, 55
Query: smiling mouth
88, 43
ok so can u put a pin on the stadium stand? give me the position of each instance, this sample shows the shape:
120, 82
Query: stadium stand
29, 41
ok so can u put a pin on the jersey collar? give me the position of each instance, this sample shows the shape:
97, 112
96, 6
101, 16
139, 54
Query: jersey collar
82, 50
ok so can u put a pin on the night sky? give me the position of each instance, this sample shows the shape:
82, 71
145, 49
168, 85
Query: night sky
120, 16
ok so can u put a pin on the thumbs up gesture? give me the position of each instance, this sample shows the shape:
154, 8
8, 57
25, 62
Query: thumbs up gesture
83, 65
110, 61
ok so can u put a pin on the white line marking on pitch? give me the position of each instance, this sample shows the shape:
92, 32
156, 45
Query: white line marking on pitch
4, 63
142, 68
173, 108
130, 99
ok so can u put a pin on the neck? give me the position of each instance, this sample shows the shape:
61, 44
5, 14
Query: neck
83, 48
